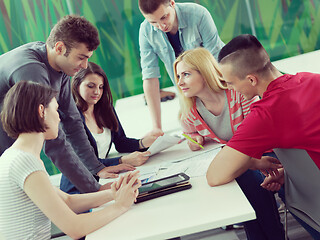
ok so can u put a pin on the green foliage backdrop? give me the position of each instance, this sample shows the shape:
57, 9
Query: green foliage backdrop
285, 27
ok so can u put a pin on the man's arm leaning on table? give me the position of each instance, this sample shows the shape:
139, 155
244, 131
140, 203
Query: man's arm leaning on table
230, 164
151, 90
226, 166
150, 74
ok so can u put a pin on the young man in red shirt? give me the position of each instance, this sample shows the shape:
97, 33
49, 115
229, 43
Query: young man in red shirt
286, 117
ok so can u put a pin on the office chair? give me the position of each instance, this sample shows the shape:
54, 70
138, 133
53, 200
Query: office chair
302, 185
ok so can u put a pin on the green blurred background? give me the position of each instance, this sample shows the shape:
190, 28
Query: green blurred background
285, 28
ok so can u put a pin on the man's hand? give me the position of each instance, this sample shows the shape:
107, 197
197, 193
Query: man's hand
154, 132
274, 183
106, 186
111, 172
267, 165
151, 136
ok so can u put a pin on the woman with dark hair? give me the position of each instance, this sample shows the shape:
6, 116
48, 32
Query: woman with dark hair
28, 200
92, 94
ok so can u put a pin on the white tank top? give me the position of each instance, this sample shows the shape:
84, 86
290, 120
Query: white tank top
103, 141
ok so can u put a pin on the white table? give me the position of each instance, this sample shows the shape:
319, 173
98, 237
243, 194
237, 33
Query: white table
307, 62
198, 209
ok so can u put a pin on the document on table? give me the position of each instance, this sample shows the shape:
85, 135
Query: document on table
163, 142
147, 173
194, 166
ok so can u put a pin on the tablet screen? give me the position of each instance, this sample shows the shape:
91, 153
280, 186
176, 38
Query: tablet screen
160, 184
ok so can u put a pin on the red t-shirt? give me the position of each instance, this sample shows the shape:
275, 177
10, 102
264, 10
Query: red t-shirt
286, 117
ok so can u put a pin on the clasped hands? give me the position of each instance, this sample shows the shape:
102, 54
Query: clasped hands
272, 169
125, 190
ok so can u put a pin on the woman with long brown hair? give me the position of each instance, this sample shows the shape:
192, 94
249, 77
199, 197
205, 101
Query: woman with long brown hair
92, 94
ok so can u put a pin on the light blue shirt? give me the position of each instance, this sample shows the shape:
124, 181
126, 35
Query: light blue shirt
196, 29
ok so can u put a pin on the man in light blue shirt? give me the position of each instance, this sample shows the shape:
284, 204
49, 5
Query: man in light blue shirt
170, 28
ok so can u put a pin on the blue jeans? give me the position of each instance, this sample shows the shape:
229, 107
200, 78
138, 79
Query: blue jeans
268, 224
68, 187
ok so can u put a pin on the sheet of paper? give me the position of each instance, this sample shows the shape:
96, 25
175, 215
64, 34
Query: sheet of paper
163, 142
194, 166
146, 172
193, 154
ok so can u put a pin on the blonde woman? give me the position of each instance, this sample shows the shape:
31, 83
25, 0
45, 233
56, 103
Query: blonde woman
210, 110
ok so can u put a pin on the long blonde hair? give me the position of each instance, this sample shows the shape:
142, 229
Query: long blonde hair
201, 60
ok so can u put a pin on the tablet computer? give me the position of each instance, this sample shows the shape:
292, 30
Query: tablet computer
163, 186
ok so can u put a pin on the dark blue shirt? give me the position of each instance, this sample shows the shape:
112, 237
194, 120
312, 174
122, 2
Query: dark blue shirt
175, 43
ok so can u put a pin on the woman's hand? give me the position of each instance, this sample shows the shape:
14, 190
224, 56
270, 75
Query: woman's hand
106, 186
195, 147
125, 190
135, 158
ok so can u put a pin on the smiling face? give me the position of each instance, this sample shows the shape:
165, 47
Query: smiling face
91, 88
51, 120
189, 81
76, 60
164, 18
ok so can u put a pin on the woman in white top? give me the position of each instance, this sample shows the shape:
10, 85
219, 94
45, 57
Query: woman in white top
28, 201
92, 94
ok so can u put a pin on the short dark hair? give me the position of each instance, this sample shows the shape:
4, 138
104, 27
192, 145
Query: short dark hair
241, 42
103, 109
20, 108
73, 29
150, 6
247, 56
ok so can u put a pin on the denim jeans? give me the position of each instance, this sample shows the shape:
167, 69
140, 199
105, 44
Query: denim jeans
68, 187
268, 224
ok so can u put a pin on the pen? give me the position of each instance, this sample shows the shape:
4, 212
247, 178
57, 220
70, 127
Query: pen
191, 140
